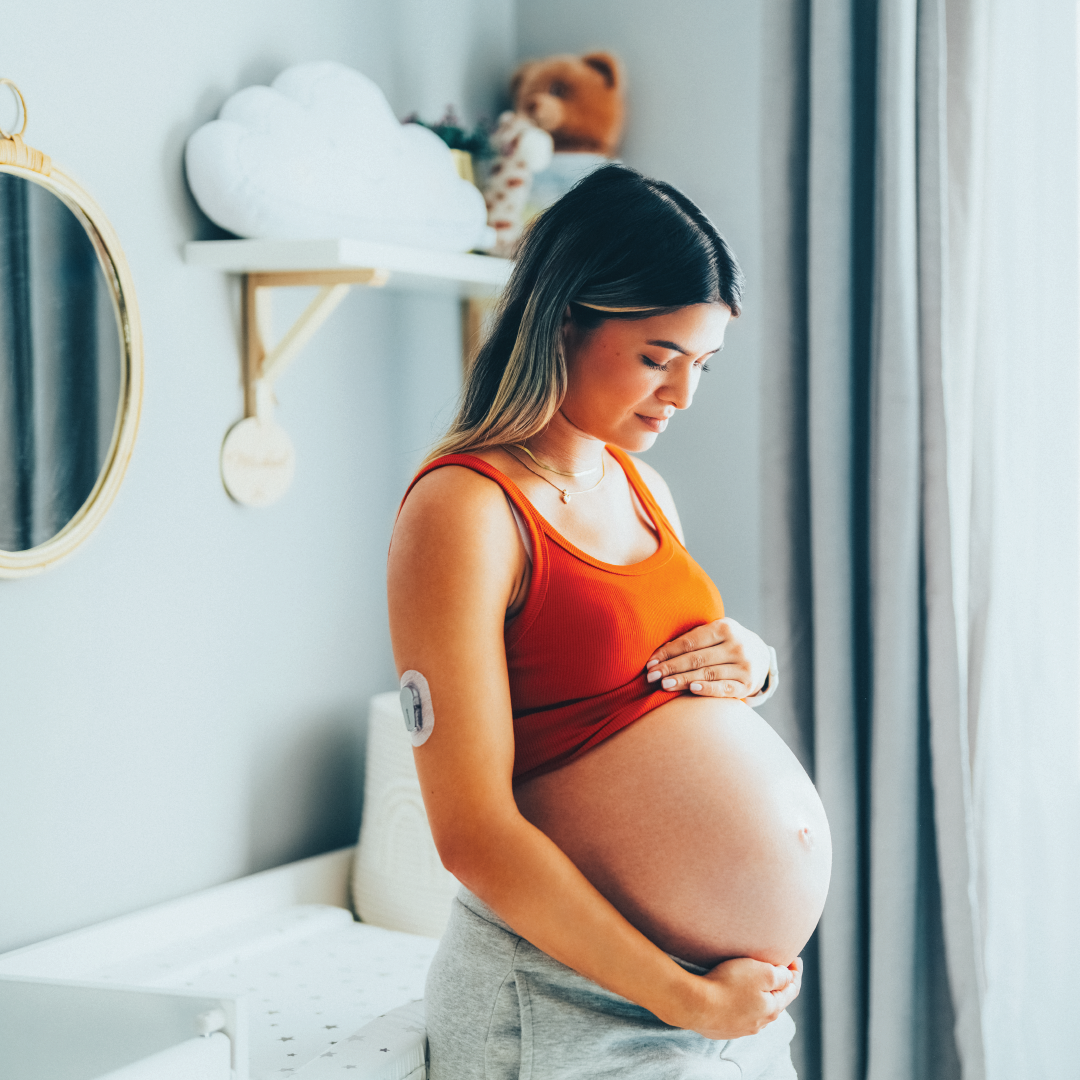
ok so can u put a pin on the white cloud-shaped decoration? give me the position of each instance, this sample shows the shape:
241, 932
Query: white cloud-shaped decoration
318, 154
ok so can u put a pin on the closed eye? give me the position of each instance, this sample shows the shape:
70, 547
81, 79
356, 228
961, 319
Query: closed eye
702, 365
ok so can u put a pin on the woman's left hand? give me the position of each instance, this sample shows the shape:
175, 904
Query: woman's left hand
718, 659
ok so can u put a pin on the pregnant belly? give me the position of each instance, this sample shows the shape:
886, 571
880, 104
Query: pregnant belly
700, 825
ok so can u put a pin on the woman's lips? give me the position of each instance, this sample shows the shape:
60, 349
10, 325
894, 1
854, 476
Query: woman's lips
653, 423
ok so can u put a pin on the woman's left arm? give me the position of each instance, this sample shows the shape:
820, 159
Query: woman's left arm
718, 659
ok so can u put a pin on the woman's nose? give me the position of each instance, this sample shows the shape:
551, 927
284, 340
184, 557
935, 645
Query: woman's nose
678, 391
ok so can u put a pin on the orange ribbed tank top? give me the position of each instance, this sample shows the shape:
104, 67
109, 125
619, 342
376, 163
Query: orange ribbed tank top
576, 651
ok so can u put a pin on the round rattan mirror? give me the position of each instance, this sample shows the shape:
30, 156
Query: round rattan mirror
70, 359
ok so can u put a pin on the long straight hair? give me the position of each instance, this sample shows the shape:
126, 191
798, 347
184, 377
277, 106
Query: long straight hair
617, 246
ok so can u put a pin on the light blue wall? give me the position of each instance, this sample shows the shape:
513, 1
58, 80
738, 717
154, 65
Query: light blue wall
694, 109
182, 702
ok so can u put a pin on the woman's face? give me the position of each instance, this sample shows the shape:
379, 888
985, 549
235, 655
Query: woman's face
627, 377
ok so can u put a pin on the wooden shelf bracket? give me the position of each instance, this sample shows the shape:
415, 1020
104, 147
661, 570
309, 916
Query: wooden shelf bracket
257, 457
264, 365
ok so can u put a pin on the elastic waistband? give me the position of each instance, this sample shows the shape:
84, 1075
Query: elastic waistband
478, 907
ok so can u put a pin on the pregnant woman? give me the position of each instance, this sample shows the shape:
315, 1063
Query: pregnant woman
642, 858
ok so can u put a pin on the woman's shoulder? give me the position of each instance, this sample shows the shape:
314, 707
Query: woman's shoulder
455, 504
654, 482
454, 548
660, 492
454, 486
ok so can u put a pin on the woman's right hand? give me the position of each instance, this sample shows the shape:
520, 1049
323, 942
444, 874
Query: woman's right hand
743, 996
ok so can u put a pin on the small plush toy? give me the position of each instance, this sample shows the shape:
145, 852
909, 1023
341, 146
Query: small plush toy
578, 99
576, 104
522, 149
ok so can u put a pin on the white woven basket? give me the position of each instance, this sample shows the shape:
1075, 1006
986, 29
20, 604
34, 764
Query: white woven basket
398, 880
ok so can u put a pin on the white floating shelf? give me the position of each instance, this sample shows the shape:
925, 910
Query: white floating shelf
408, 267
257, 456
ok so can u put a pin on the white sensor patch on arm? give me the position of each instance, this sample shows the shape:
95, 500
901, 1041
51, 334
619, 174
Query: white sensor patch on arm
416, 707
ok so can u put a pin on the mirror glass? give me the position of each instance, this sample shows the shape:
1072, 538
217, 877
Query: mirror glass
61, 364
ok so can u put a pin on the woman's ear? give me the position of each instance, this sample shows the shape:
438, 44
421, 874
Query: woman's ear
569, 332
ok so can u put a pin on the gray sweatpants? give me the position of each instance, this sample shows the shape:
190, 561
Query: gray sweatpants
500, 1009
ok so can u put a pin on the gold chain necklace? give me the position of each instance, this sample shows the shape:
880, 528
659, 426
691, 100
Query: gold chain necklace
558, 472
566, 495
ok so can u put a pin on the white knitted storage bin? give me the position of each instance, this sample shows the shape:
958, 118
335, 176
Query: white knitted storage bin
398, 880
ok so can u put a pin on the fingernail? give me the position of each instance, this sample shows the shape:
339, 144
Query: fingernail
696, 687
652, 676
651, 664
667, 684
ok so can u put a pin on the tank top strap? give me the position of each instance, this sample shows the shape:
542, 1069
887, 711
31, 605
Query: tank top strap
641, 490
541, 560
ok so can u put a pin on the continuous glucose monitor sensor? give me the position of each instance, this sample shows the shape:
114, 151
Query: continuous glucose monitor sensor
416, 707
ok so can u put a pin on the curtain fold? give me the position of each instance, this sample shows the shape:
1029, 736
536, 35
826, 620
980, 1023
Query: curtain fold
837, 230
926, 485
949, 97
894, 836
1023, 537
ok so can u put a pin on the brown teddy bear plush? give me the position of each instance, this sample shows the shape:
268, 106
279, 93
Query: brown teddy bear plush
574, 103
578, 99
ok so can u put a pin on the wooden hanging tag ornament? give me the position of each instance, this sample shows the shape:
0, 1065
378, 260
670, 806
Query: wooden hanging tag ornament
257, 462
257, 456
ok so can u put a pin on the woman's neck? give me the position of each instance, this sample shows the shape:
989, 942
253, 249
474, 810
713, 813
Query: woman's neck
566, 447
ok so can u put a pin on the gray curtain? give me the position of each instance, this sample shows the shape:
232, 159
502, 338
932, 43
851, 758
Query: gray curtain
859, 594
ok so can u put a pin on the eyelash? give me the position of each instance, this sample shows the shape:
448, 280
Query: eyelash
663, 367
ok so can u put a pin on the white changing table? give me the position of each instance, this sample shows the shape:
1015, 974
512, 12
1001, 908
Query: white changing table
258, 979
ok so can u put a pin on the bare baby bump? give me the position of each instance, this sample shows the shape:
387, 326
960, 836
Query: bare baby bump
700, 825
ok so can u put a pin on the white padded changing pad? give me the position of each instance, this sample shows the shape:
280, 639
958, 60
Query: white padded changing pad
311, 975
